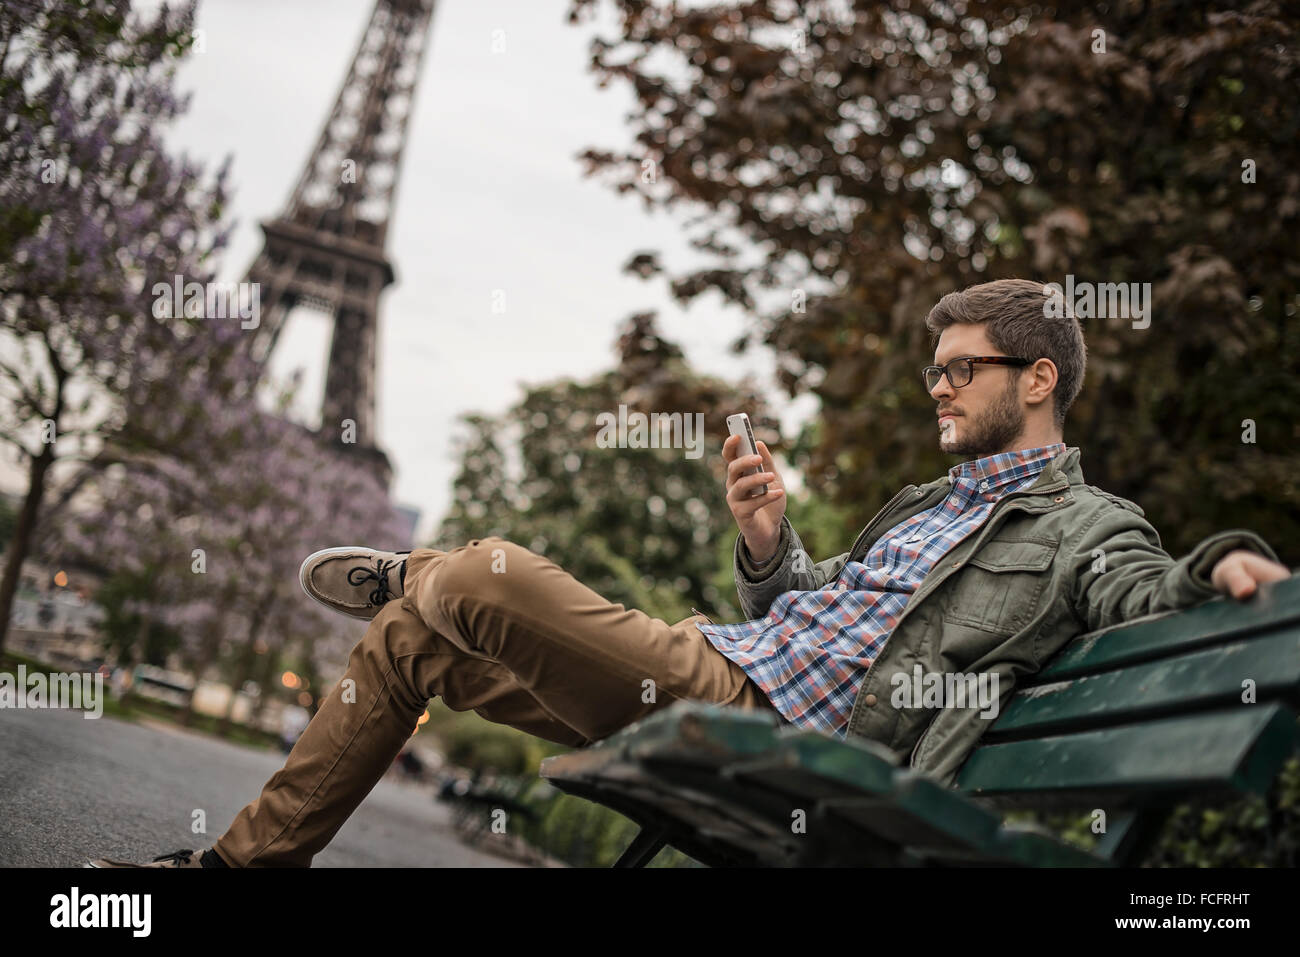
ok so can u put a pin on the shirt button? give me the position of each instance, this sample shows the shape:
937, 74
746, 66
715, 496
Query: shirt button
984, 486
871, 700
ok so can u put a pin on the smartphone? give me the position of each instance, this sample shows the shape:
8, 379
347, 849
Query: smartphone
738, 424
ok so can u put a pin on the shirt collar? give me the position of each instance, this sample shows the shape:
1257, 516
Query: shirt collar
1002, 468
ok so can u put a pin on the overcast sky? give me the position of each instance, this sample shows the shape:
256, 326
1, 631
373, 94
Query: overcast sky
491, 197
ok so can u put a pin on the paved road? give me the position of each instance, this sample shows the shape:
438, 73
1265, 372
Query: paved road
73, 789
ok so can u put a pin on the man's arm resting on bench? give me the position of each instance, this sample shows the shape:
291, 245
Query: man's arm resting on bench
1136, 577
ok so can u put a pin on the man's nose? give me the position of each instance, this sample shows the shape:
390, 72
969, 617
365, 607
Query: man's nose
942, 389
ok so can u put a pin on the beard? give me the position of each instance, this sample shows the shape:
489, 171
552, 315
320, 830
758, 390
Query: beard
991, 430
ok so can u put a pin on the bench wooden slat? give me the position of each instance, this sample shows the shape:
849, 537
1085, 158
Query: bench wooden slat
728, 731
920, 814
681, 824
871, 793
1277, 604
1232, 750
810, 764
1204, 679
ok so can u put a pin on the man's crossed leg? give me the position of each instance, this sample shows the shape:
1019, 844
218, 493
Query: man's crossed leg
489, 627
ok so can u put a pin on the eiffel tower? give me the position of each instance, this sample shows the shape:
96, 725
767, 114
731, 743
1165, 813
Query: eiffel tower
326, 250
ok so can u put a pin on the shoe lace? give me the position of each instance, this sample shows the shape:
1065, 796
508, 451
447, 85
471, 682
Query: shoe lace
177, 856
379, 575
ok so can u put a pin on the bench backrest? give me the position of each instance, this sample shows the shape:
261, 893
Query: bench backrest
1195, 701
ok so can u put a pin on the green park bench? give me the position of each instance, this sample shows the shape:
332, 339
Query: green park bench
1131, 720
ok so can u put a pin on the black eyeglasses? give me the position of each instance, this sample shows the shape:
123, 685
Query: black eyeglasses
959, 371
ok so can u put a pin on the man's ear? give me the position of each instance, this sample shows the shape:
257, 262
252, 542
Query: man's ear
1042, 380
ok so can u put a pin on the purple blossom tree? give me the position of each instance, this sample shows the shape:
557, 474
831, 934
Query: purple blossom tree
221, 536
93, 212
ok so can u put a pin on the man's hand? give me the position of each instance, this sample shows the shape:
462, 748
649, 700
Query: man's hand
759, 518
1239, 572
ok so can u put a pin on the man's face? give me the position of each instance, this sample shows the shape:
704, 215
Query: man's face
985, 415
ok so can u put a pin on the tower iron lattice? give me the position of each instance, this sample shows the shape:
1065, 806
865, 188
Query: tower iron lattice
326, 250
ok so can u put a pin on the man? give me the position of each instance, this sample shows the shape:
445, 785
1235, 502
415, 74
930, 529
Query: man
988, 570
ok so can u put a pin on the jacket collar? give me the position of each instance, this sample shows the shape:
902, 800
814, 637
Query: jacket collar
1063, 467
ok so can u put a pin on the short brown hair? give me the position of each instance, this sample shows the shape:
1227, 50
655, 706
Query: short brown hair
1018, 326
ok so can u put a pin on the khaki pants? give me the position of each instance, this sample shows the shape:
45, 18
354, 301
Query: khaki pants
495, 628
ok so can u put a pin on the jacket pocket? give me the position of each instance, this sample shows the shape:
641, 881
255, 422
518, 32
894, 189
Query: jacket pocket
999, 588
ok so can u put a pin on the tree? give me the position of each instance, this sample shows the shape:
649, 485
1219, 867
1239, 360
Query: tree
93, 213
220, 540
852, 163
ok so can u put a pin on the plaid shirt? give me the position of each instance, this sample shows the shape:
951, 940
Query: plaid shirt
811, 651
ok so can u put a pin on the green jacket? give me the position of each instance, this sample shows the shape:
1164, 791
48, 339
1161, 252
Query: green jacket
1052, 561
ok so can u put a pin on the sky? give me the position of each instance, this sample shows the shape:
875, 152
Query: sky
491, 197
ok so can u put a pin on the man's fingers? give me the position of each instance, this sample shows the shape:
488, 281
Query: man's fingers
1240, 574
744, 508
739, 466
1265, 570
743, 486
769, 464
1241, 584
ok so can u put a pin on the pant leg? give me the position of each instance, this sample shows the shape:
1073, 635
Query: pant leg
362, 726
595, 665
489, 626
